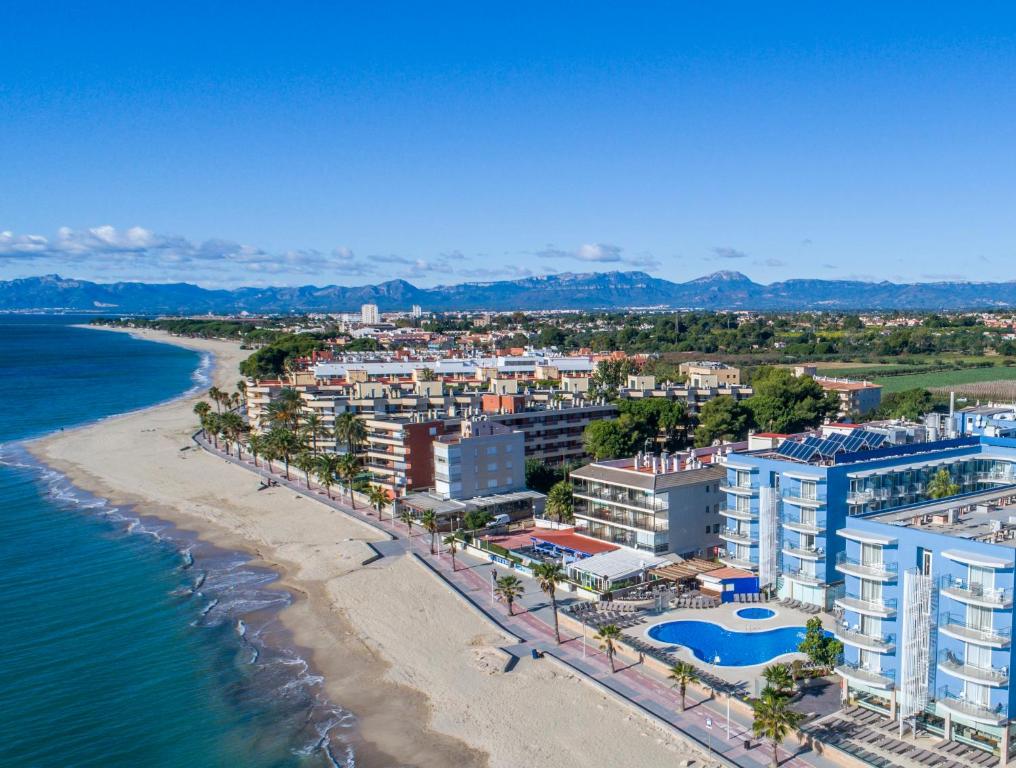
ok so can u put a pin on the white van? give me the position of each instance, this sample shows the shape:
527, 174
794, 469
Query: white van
499, 520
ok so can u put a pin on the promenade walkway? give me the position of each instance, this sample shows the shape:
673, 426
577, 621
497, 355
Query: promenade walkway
704, 721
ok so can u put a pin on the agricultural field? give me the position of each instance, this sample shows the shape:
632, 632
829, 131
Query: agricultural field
973, 382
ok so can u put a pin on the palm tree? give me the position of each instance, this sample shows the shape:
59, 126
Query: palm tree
508, 588
269, 452
285, 443
255, 446
312, 428
683, 673
232, 427
406, 516
426, 374
453, 546
306, 462
429, 521
608, 636
351, 430
241, 389
326, 469
560, 504
779, 678
213, 425
285, 409
215, 395
202, 409
942, 485
349, 468
378, 497
773, 719
549, 575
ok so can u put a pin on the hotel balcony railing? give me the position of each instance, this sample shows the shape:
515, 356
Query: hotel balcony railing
869, 494
970, 592
802, 500
793, 522
955, 701
803, 576
880, 644
997, 476
877, 679
740, 537
998, 677
651, 505
955, 625
738, 514
740, 490
854, 567
736, 562
884, 607
645, 523
808, 553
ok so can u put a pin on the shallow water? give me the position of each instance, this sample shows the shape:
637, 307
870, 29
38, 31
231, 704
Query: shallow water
126, 642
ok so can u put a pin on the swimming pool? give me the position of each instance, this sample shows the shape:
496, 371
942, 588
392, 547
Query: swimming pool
723, 647
756, 613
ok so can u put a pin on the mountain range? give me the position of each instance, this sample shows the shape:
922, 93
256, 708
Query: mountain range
597, 290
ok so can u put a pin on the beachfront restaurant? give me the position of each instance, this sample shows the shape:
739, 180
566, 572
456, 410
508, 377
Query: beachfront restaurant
613, 570
567, 546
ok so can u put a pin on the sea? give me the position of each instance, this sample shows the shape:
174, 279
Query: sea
124, 641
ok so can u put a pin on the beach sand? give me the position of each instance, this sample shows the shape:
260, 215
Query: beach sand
419, 669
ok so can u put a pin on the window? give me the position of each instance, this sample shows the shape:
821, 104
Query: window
716, 528
492, 483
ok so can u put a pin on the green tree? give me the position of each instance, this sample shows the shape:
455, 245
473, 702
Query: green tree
406, 516
549, 575
683, 674
453, 544
610, 439
786, 403
540, 476
911, 404
326, 469
430, 524
773, 719
779, 678
306, 462
820, 647
285, 410
611, 375
215, 395
351, 430
942, 486
255, 446
349, 468
313, 428
232, 428
285, 443
202, 409
723, 419
378, 497
608, 635
560, 503
476, 518
509, 589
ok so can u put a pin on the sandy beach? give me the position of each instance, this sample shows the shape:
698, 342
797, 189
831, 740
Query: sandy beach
419, 669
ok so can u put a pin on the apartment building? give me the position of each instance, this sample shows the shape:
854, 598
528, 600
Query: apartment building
369, 314
857, 398
652, 504
927, 615
694, 396
399, 453
483, 458
709, 374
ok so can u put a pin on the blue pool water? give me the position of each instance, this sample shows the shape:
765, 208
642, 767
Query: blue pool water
756, 613
714, 644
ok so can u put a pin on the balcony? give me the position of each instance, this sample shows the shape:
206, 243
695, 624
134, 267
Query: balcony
639, 522
802, 501
738, 514
813, 527
738, 537
884, 609
860, 497
803, 577
955, 625
972, 593
803, 552
872, 678
853, 567
647, 504
955, 702
858, 639
1006, 477
738, 490
956, 667
736, 562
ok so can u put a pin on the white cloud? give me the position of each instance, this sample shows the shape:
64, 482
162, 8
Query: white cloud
729, 253
600, 253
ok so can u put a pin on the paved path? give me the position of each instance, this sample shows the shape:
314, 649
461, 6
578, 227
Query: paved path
704, 720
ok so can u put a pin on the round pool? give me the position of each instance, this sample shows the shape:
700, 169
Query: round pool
756, 613
724, 647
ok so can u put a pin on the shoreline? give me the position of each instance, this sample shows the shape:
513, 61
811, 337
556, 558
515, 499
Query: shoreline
422, 674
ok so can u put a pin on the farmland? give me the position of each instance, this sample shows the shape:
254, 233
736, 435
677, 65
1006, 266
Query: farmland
976, 382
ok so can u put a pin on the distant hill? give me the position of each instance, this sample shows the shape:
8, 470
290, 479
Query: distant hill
597, 290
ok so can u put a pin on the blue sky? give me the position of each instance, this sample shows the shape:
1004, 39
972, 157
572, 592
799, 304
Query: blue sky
292, 143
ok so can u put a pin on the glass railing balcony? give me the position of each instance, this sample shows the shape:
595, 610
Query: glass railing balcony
874, 678
740, 490
854, 636
794, 521
647, 503
738, 514
804, 577
997, 476
954, 700
884, 608
854, 567
955, 625
794, 496
806, 552
996, 676
740, 537
737, 562
643, 522
973, 593
860, 497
